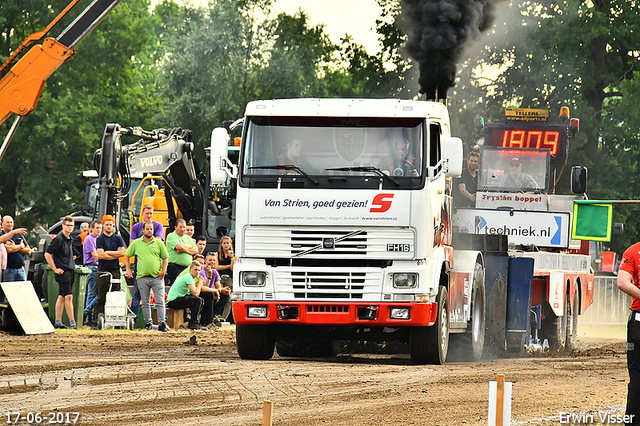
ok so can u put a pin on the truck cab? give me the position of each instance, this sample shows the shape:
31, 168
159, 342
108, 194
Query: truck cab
343, 229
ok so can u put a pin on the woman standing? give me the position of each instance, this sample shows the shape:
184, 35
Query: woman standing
225, 259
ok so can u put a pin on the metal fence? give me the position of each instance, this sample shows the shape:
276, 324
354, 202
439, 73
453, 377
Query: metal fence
610, 305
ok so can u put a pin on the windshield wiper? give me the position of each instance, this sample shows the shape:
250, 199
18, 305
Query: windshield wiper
366, 169
288, 166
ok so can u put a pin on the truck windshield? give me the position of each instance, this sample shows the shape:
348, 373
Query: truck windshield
334, 146
509, 170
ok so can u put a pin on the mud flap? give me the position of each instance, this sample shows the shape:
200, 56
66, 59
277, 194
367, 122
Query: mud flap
496, 264
519, 302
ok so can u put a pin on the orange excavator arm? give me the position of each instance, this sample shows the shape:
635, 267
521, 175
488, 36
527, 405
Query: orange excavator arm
20, 89
21, 86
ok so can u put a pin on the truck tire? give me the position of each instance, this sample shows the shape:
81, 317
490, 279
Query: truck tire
255, 341
301, 347
429, 345
554, 328
468, 346
572, 321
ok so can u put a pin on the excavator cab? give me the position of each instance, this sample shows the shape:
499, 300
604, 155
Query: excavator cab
154, 196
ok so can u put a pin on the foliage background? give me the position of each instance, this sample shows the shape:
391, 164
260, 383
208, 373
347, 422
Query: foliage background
195, 66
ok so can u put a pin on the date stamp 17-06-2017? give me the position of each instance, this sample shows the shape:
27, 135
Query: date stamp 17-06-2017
38, 418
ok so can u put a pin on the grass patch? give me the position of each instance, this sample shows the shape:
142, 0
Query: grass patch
612, 331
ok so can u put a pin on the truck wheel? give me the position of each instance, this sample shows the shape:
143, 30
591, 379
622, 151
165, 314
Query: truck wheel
554, 328
255, 341
469, 345
572, 321
429, 345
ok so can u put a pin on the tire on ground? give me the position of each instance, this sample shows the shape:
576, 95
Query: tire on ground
429, 345
554, 328
468, 346
255, 341
572, 321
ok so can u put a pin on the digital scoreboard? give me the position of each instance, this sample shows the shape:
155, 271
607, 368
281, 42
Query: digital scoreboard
529, 136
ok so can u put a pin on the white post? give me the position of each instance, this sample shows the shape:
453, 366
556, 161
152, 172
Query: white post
500, 402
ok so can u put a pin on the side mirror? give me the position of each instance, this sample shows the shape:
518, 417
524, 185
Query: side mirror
452, 152
579, 179
220, 166
618, 228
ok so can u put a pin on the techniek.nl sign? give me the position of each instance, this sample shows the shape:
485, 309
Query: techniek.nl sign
539, 228
329, 207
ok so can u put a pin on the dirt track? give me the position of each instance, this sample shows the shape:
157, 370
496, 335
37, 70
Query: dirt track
136, 378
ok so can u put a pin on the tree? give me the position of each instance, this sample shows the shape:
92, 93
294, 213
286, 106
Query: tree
238, 58
110, 79
298, 52
210, 73
574, 53
387, 73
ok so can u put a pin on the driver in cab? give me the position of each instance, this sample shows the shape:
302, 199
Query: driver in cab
515, 180
291, 157
399, 162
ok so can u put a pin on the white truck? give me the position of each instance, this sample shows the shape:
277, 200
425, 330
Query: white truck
344, 233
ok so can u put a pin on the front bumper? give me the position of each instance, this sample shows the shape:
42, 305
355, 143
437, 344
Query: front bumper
335, 313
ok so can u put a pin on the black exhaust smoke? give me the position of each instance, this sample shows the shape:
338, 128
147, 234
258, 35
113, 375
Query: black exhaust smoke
437, 32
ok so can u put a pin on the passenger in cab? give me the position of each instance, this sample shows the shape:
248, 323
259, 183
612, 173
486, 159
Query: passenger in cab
466, 185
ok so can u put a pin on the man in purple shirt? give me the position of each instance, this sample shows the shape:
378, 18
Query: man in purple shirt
90, 261
212, 279
136, 232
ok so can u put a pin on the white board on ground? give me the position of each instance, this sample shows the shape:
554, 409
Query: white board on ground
25, 305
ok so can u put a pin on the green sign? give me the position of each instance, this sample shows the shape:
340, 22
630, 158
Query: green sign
592, 220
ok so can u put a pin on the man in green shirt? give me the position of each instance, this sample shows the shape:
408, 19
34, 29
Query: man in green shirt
151, 268
181, 249
185, 294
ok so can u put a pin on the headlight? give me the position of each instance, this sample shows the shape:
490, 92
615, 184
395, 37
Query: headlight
400, 313
254, 279
405, 280
257, 312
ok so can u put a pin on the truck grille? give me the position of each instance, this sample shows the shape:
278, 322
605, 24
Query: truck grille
371, 243
328, 285
305, 240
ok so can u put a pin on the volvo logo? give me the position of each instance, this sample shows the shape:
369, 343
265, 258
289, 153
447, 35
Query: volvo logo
151, 161
328, 243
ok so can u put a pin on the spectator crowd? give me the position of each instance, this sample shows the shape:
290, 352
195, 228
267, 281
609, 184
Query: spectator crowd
197, 282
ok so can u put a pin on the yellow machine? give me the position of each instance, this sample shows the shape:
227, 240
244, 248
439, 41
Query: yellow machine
154, 196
